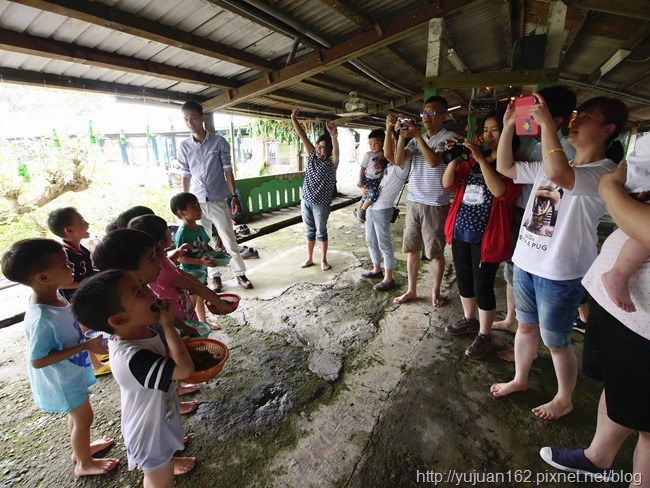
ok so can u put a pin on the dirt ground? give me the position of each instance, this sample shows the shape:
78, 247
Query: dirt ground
328, 385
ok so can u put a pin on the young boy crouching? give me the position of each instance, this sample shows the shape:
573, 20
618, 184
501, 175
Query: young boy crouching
116, 302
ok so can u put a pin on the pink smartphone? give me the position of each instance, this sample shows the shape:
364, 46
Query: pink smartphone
524, 123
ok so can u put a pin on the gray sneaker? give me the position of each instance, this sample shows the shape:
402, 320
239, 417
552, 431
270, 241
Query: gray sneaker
480, 347
463, 326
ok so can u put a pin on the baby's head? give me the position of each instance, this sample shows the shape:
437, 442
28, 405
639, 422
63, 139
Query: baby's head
114, 301
67, 223
376, 140
34, 262
156, 227
186, 207
131, 250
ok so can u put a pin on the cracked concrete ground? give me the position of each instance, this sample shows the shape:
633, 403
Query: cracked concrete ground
329, 385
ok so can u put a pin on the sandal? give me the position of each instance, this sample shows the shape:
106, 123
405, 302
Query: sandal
105, 369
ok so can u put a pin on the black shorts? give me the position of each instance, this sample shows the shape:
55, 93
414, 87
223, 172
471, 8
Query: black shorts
621, 359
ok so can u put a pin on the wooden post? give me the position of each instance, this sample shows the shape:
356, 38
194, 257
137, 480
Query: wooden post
434, 52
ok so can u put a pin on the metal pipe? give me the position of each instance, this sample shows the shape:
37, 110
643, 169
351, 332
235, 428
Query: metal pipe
610, 91
324, 43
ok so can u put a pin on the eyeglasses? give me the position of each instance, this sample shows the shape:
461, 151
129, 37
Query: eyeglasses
430, 113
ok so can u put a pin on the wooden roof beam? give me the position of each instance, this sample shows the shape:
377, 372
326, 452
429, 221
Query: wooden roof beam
637, 9
499, 78
555, 33
345, 51
97, 13
48, 48
633, 41
391, 56
271, 22
352, 13
40, 79
336, 86
576, 27
300, 100
506, 16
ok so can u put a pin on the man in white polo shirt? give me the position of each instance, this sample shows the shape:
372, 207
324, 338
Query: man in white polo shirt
428, 201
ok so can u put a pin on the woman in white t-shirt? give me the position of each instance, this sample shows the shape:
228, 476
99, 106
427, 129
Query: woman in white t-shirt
557, 239
616, 348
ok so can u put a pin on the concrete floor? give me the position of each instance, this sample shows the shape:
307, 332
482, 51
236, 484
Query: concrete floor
406, 407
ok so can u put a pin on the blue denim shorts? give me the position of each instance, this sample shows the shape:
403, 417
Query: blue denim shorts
549, 303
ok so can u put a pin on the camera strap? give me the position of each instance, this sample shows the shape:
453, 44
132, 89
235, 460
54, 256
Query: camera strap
406, 180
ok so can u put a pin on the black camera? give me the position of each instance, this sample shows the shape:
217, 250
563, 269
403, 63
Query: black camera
458, 150
403, 124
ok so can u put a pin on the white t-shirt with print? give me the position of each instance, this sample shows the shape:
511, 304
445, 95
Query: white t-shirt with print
425, 182
530, 149
371, 161
557, 238
391, 185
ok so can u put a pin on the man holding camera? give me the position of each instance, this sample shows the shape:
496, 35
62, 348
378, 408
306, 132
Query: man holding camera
428, 201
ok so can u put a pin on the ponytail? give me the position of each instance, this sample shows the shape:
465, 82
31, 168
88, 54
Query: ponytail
615, 151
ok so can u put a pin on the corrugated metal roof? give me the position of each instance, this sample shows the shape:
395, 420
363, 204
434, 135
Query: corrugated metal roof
196, 48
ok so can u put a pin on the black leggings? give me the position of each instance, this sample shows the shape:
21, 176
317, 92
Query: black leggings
475, 279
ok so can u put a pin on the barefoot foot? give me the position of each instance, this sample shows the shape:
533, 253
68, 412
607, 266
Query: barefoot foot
96, 467
405, 298
616, 286
183, 465
97, 446
507, 325
324, 266
188, 407
187, 389
505, 389
436, 300
553, 410
307, 264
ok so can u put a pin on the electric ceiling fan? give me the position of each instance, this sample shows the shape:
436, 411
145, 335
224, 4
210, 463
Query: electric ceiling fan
354, 105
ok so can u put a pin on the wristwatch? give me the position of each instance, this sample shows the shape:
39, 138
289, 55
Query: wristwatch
233, 196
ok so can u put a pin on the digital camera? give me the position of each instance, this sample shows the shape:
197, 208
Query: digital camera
403, 124
458, 150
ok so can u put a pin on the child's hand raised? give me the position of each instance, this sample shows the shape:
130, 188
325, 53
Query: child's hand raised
95, 345
167, 312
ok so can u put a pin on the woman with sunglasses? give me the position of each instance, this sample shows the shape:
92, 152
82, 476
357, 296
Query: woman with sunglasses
318, 188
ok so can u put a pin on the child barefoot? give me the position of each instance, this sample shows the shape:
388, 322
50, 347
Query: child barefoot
59, 369
371, 171
633, 253
69, 225
146, 369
